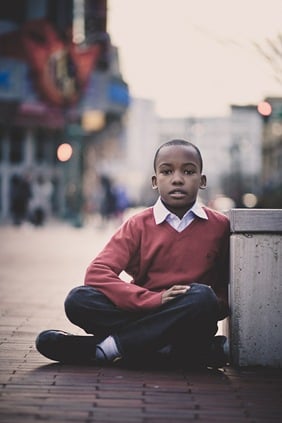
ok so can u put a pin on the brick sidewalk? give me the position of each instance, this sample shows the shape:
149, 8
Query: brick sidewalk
37, 269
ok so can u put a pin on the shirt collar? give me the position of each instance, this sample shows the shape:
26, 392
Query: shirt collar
161, 212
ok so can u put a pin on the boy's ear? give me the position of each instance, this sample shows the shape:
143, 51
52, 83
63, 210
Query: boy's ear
154, 182
203, 182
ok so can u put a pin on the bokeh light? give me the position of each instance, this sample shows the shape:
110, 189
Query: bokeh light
64, 152
264, 108
250, 200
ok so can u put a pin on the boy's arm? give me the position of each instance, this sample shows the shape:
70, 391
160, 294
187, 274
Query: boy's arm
121, 252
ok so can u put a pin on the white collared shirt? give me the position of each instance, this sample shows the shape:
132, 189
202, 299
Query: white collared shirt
161, 214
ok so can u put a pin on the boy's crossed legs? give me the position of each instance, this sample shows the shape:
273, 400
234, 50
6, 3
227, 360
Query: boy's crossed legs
186, 325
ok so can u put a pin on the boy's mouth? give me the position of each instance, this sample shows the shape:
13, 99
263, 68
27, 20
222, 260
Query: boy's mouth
177, 193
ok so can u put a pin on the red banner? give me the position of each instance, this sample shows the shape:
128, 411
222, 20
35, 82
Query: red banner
60, 68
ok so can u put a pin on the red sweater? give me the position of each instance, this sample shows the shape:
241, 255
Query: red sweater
157, 257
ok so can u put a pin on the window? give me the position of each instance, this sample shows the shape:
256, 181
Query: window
40, 146
46, 143
1, 144
17, 136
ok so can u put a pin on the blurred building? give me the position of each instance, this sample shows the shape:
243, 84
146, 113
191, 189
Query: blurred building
141, 140
272, 153
60, 82
244, 176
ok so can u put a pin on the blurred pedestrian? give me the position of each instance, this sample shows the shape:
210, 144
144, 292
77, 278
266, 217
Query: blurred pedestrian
40, 203
122, 201
108, 201
177, 253
20, 194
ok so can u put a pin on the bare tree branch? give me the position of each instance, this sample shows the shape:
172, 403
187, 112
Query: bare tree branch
271, 51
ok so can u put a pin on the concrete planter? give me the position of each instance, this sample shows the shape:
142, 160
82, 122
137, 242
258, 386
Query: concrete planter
256, 287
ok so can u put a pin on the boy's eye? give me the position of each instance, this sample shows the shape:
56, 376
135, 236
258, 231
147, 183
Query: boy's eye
189, 171
166, 171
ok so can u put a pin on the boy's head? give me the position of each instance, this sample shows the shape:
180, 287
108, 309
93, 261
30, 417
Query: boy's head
178, 175
179, 142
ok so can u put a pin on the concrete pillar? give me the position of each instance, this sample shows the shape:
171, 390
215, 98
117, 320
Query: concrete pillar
256, 287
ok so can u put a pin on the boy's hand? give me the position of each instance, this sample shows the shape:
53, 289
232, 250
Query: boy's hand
172, 292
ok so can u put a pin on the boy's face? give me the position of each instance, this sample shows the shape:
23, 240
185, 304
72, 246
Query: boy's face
178, 177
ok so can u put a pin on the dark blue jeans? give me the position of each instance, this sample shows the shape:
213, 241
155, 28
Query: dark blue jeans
186, 323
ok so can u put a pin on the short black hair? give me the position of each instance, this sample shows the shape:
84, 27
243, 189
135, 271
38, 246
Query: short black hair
179, 142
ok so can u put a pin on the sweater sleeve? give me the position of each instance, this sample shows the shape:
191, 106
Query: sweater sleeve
120, 254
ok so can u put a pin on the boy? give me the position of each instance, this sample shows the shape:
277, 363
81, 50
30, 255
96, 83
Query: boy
177, 254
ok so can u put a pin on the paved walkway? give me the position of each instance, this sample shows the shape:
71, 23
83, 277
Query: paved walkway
37, 269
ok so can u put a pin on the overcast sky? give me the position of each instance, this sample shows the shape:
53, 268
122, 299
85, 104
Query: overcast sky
195, 57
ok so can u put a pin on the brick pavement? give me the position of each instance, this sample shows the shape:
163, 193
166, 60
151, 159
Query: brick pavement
37, 269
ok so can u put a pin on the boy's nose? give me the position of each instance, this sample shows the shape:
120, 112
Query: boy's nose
177, 178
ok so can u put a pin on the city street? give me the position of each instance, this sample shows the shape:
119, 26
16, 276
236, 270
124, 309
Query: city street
38, 267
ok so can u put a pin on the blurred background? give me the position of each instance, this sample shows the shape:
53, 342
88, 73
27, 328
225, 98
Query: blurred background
90, 88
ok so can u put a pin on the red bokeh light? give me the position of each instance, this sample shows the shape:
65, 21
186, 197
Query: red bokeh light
264, 108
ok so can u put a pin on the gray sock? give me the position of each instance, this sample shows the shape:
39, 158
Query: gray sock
107, 349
